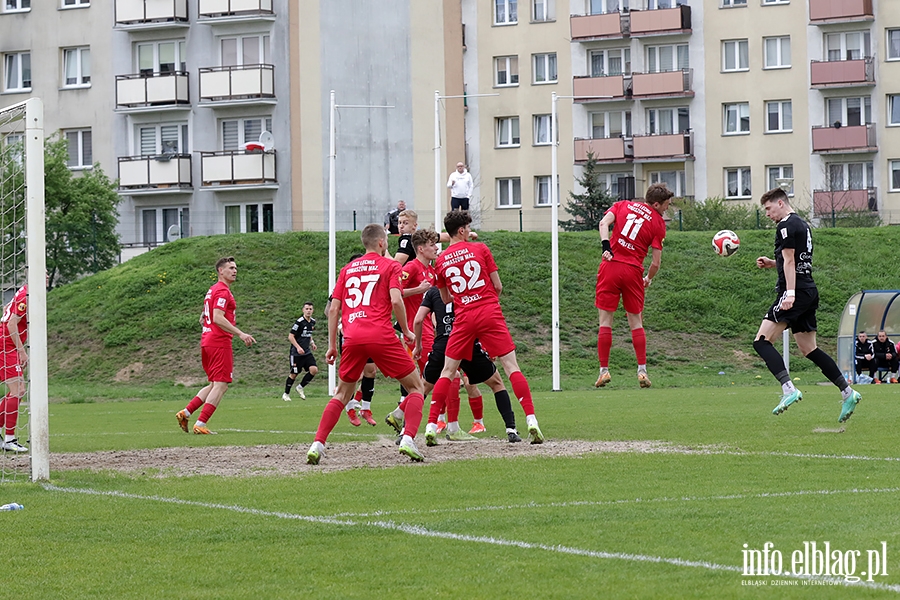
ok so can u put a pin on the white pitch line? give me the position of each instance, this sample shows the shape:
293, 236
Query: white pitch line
178, 432
418, 530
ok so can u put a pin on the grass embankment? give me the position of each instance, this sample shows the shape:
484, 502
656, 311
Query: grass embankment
139, 321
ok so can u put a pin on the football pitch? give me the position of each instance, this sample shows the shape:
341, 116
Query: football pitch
659, 493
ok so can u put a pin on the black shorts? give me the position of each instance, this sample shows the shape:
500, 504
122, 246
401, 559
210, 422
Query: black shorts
300, 362
802, 315
478, 370
459, 204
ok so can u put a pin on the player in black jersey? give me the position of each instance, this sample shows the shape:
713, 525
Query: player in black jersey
409, 223
795, 305
302, 348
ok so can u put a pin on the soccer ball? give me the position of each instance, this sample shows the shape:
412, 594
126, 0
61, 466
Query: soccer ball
726, 242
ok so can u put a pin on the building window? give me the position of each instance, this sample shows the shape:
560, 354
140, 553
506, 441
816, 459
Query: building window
851, 176
77, 67
165, 224
507, 132
541, 130
894, 109
75, 3
657, 4
737, 118
663, 59
666, 121
542, 191
15, 147
543, 10
249, 218
509, 192
17, 72
612, 124
162, 139
779, 118
161, 57
730, 3
600, 7
16, 5
849, 45
545, 68
611, 182
616, 61
778, 52
81, 155
735, 56
849, 112
246, 50
237, 132
895, 175
506, 69
737, 183
506, 12
781, 172
893, 44
767, 2
674, 180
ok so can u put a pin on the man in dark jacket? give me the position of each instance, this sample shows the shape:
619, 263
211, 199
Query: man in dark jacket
865, 354
886, 359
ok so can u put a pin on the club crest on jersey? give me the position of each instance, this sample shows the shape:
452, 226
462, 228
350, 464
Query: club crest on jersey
404, 276
21, 307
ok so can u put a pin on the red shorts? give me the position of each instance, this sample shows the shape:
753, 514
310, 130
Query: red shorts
488, 325
9, 364
615, 279
218, 363
390, 356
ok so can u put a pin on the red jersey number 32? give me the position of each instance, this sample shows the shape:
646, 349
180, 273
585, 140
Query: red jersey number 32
472, 270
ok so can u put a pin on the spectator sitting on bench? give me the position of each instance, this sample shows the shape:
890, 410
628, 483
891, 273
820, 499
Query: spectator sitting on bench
887, 363
865, 355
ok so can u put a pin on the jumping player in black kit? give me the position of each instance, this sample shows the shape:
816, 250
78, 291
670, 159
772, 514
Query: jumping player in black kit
302, 348
795, 305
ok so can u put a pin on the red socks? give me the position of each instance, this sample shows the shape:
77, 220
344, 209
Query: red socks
604, 343
206, 413
639, 340
9, 413
522, 392
477, 406
194, 404
412, 415
436, 409
453, 401
330, 416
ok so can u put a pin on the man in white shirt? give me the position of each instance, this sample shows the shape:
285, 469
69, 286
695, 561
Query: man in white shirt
461, 186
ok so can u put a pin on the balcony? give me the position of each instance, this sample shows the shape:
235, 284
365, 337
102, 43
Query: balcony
672, 84
150, 14
154, 174
153, 91
664, 147
823, 12
235, 10
843, 140
614, 149
842, 73
593, 89
826, 202
598, 27
662, 21
244, 84
238, 168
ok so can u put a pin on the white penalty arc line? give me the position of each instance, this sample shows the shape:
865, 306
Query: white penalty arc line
418, 530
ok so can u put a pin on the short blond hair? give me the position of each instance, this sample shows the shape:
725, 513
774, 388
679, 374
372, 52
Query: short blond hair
409, 214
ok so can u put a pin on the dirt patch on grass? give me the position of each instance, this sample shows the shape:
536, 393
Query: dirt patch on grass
234, 461
126, 373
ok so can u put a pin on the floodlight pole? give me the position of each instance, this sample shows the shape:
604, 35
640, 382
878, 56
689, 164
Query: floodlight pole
332, 200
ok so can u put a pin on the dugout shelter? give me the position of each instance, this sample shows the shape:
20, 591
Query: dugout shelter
869, 311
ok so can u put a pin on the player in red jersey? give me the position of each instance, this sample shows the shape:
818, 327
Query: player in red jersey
636, 227
366, 292
418, 276
13, 358
467, 275
219, 328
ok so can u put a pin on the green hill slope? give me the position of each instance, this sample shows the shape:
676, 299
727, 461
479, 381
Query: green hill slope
139, 321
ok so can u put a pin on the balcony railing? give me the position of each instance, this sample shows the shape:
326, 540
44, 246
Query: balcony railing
141, 12
608, 87
671, 83
152, 90
660, 21
826, 202
229, 8
237, 167
822, 11
237, 82
836, 140
163, 171
664, 146
589, 27
614, 149
842, 73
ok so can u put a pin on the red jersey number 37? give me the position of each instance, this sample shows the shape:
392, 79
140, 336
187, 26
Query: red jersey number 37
359, 290
472, 280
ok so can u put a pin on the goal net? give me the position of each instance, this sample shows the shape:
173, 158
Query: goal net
24, 446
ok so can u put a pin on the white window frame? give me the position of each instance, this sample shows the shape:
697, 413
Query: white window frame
895, 34
662, 177
509, 184
82, 138
894, 167
845, 52
782, 126
15, 59
775, 2
605, 55
736, 46
67, 4
733, 3
676, 53
606, 6
774, 172
541, 126
510, 67
18, 154
780, 58
245, 208
671, 116
547, 8
180, 64
15, 6
611, 181
866, 169
182, 135
545, 60
265, 124
741, 113
742, 173
542, 182
80, 55
264, 44
510, 126
893, 110
508, 17
865, 104
182, 214
609, 117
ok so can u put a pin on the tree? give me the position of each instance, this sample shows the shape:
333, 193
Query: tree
588, 207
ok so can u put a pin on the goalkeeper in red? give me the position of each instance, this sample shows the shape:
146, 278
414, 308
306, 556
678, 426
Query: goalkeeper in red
627, 231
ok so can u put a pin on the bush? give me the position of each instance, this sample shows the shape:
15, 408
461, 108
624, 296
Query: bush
715, 214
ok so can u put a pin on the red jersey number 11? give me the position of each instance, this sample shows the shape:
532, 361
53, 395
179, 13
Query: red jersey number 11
632, 226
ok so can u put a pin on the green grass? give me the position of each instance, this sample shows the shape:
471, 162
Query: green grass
487, 528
